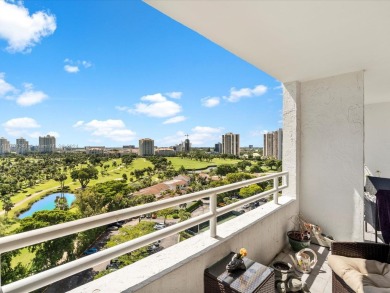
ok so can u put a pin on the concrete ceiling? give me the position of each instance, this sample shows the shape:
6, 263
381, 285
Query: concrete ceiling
297, 40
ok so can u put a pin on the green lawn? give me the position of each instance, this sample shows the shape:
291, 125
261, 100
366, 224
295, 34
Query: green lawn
192, 164
25, 257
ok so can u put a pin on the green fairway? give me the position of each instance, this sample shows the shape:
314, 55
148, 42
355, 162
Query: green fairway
193, 164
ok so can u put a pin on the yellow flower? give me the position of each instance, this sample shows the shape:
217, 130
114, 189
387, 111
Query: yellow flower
243, 252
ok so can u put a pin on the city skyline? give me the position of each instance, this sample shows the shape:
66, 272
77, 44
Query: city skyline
66, 73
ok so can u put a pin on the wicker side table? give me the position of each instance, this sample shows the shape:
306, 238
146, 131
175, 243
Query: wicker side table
256, 278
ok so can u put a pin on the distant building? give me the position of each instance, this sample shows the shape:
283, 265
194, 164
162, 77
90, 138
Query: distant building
273, 144
47, 144
218, 147
129, 146
251, 146
95, 150
165, 152
21, 146
231, 144
146, 147
5, 146
187, 145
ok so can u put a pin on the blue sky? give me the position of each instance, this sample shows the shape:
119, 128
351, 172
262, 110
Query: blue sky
112, 72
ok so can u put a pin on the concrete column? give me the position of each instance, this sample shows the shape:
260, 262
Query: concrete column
332, 154
291, 136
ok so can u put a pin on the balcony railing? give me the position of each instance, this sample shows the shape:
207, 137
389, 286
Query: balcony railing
60, 272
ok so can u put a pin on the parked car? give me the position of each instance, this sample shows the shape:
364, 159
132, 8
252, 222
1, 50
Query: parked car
246, 206
112, 228
116, 224
159, 226
241, 211
90, 251
152, 248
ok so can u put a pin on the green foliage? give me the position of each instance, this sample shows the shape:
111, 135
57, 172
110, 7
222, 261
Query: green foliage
225, 169
166, 212
48, 254
85, 175
128, 233
184, 215
250, 190
194, 206
243, 164
236, 177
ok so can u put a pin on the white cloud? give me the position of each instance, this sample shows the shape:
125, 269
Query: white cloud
112, 129
75, 66
210, 101
53, 133
22, 31
174, 95
199, 136
122, 108
236, 95
20, 126
172, 139
175, 119
86, 64
71, 69
78, 123
30, 97
205, 135
155, 105
5, 87
154, 98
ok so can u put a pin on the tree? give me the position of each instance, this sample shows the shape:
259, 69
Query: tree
243, 164
225, 169
250, 190
50, 253
165, 213
184, 215
7, 204
61, 178
85, 175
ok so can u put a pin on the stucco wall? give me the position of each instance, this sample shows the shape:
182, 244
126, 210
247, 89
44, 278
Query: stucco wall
377, 138
331, 177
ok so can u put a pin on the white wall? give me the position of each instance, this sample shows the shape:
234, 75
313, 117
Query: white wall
331, 176
377, 138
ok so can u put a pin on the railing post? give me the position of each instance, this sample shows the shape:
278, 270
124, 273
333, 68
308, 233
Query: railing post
276, 187
213, 220
1, 290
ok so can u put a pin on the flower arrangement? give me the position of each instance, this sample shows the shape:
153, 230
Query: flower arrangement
237, 261
242, 253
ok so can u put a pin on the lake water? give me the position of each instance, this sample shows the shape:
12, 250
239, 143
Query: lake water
47, 203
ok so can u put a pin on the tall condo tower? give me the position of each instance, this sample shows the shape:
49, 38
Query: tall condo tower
231, 144
47, 144
146, 147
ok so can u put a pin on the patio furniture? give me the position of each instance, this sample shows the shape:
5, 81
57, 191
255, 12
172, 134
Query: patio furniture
377, 206
256, 278
354, 250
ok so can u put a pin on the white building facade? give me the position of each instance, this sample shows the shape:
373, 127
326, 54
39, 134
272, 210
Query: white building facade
146, 147
231, 144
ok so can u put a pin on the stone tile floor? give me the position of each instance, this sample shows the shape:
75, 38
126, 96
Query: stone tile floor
320, 278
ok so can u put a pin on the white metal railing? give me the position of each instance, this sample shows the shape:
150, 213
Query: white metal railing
60, 272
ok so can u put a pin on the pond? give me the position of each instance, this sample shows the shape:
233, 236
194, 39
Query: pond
47, 203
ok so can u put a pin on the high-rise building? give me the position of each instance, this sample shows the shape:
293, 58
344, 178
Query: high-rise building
146, 147
218, 147
5, 147
273, 144
187, 145
231, 144
21, 146
47, 144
